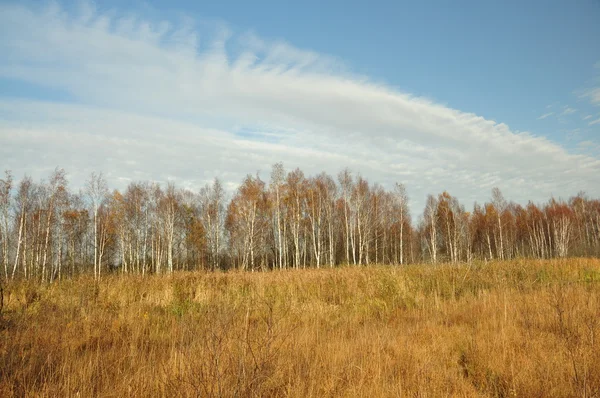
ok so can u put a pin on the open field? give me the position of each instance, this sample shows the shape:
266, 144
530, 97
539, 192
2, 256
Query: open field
520, 328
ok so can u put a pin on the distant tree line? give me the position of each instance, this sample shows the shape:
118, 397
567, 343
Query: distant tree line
48, 232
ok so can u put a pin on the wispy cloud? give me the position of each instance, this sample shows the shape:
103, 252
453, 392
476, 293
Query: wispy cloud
545, 115
159, 100
589, 147
593, 122
587, 117
593, 95
567, 110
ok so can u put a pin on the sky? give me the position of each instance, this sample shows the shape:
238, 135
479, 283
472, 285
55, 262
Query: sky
456, 96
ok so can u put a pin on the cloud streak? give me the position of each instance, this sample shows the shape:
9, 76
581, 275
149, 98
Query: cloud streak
161, 100
593, 95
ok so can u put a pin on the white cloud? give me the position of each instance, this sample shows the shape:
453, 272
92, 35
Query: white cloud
589, 147
587, 117
592, 92
593, 122
567, 110
574, 133
545, 115
593, 95
151, 100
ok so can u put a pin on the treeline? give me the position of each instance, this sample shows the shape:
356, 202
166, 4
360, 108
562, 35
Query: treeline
48, 232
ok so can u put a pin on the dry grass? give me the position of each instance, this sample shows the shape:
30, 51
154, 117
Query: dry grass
524, 328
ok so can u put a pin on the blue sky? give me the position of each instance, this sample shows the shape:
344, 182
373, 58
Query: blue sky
457, 94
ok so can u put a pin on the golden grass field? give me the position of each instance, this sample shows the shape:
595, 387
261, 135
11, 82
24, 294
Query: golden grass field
522, 328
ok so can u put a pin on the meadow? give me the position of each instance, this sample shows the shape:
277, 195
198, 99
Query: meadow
520, 328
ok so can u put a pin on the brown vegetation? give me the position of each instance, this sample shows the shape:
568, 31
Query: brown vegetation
519, 328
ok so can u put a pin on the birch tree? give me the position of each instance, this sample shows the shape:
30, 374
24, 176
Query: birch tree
429, 219
56, 190
346, 184
244, 216
401, 201
330, 197
295, 201
213, 206
5, 203
500, 205
560, 218
316, 198
168, 210
277, 181
97, 190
